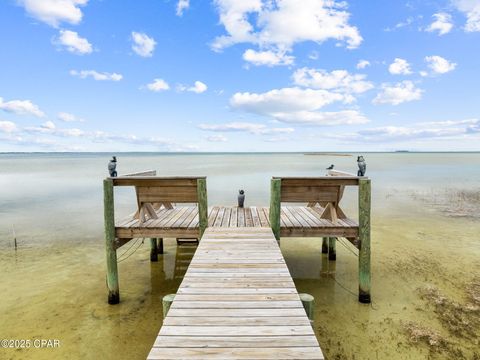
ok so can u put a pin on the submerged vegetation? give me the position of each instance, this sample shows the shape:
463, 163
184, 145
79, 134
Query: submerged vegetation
452, 202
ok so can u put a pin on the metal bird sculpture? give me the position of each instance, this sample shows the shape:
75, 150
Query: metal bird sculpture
330, 167
112, 167
362, 166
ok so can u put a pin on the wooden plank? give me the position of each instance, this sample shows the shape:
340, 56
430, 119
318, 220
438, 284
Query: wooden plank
202, 205
236, 304
235, 330
237, 341
240, 217
248, 217
234, 217
245, 297
236, 353
219, 219
226, 217
255, 217
179, 194
238, 312
213, 215
319, 181
155, 181
309, 193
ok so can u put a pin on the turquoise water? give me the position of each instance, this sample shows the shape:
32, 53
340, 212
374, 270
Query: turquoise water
53, 286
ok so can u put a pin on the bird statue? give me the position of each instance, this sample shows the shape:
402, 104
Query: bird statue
330, 167
241, 198
362, 166
112, 167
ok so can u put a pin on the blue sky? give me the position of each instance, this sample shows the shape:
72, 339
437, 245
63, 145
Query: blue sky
250, 75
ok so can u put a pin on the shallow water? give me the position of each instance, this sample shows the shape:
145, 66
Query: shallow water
53, 286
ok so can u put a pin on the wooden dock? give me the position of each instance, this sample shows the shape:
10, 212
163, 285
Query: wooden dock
237, 301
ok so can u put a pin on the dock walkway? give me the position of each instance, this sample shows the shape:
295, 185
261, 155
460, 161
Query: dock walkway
237, 301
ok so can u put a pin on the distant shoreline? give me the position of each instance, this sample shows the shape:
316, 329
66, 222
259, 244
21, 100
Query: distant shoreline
327, 154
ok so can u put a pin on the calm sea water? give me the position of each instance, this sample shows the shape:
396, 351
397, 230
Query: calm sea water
47, 196
53, 286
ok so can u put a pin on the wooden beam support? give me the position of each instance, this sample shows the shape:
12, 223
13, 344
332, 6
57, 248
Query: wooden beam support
364, 205
332, 251
202, 205
153, 250
325, 245
160, 245
275, 204
111, 252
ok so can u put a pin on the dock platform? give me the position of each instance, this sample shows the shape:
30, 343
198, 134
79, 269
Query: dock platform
236, 301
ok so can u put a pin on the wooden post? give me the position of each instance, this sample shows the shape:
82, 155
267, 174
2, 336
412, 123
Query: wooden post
202, 205
308, 302
166, 303
364, 204
160, 245
324, 245
153, 250
275, 204
332, 251
111, 252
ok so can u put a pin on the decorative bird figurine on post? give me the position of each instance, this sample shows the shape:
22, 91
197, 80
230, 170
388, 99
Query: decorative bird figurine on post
330, 167
241, 198
112, 167
362, 166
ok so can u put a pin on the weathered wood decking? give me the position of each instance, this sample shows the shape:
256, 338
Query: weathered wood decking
182, 221
237, 299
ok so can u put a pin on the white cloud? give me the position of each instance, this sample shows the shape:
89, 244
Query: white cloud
280, 24
401, 92
399, 67
74, 43
54, 12
182, 5
337, 80
471, 8
67, 117
49, 125
296, 105
362, 64
105, 76
252, 128
198, 87
8, 127
21, 107
158, 85
217, 138
439, 65
442, 24
143, 45
269, 57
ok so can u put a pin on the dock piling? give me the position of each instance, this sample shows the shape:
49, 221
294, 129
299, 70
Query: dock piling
160, 245
332, 251
324, 245
166, 303
275, 204
111, 252
153, 250
364, 205
202, 205
308, 302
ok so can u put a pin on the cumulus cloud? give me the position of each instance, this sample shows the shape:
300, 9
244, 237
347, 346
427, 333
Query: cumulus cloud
268, 58
143, 45
105, 76
67, 117
217, 138
280, 24
54, 12
337, 80
439, 65
8, 127
198, 87
297, 105
399, 67
158, 85
471, 9
182, 5
73, 42
252, 128
396, 94
442, 24
362, 64
21, 107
